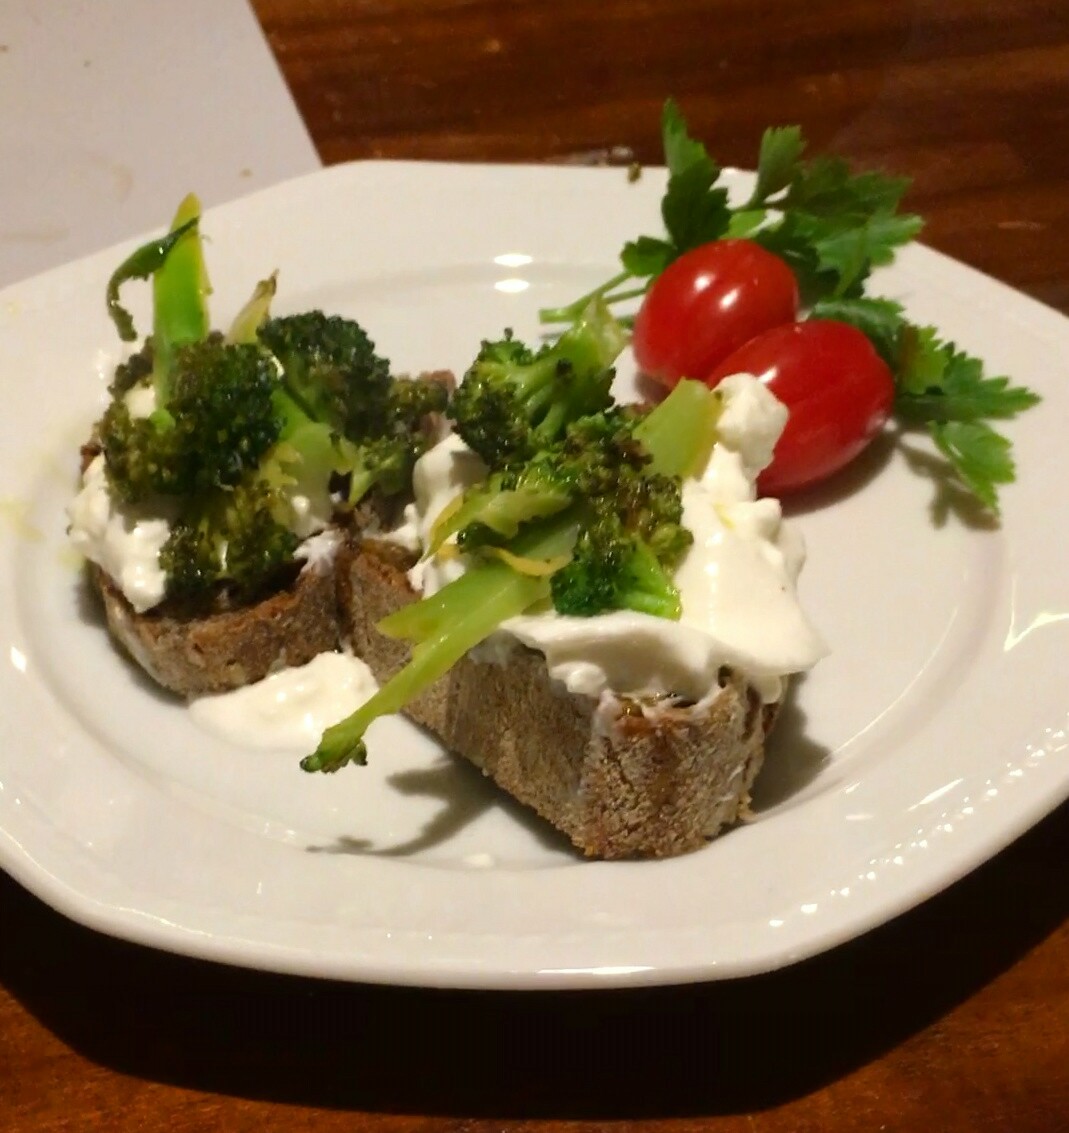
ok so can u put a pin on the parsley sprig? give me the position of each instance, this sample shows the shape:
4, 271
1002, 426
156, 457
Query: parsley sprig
942, 389
832, 227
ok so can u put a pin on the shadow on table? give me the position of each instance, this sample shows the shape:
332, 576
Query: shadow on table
714, 1048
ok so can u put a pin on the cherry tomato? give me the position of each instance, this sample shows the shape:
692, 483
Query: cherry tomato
837, 389
706, 304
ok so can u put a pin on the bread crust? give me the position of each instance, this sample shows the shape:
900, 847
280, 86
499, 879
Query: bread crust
620, 776
226, 649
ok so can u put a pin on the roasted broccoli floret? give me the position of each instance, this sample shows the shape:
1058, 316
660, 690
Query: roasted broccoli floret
213, 452
604, 471
330, 368
631, 537
407, 405
514, 402
217, 424
141, 461
222, 406
391, 436
613, 569
332, 375
383, 463
132, 371
238, 536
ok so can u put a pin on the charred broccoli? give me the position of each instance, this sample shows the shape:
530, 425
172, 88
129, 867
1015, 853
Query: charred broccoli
630, 532
514, 401
239, 536
612, 568
215, 427
330, 369
333, 376
241, 437
591, 522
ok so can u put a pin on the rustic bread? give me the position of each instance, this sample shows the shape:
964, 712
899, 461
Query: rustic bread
213, 647
227, 648
620, 776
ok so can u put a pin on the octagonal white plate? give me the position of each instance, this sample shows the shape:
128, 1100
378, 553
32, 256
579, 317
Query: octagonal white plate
933, 735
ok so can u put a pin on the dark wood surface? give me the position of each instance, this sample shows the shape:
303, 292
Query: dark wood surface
954, 1017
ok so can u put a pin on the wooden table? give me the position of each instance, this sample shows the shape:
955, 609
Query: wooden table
953, 1018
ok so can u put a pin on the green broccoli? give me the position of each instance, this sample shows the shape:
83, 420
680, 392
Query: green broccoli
601, 468
493, 510
631, 537
237, 536
218, 422
613, 569
586, 462
613, 543
175, 265
247, 432
514, 402
214, 451
332, 375
443, 628
330, 368
390, 436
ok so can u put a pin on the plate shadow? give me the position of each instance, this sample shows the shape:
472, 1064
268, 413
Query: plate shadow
722, 1048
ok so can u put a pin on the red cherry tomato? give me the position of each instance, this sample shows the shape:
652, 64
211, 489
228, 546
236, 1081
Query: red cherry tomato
706, 304
837, 389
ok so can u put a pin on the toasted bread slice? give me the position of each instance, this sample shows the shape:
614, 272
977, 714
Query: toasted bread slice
213, 647
225, 649
620, 776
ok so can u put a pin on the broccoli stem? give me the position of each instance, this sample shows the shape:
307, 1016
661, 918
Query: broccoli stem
254, 314
573, 310
679, 433
140, 264
504, 594
502, 510
179, 291
445, 626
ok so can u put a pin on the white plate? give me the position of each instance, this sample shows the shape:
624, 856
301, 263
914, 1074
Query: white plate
933, 735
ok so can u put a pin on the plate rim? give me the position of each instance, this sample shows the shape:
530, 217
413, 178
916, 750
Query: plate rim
141, 926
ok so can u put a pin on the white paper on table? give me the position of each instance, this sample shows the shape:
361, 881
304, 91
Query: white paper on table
112, 110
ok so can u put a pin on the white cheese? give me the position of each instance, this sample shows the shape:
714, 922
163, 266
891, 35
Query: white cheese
291, 708
309, 514
442, 473
124, 541
140, 400
320, 550
736, 582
